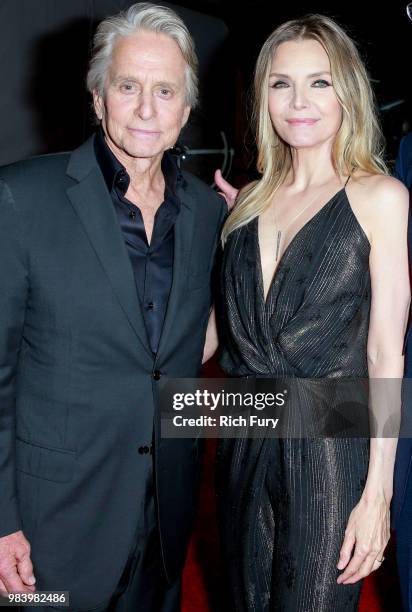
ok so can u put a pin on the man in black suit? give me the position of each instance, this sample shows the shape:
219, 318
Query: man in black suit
105, 273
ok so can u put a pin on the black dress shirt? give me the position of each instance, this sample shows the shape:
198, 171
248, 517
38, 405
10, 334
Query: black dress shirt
152, 263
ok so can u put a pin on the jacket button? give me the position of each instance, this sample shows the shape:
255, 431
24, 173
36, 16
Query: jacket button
157, 375
144, 450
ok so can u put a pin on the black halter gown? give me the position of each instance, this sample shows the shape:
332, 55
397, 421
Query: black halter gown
283, 504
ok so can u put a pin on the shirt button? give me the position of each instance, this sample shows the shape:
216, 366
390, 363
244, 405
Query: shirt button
150, 306
157, 375
132, 215
141, 450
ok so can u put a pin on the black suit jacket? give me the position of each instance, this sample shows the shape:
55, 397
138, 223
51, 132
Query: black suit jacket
77, 377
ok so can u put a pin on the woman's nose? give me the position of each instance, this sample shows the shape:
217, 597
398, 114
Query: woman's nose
299, 97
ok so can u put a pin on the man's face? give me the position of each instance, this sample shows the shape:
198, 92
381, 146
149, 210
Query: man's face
143, 107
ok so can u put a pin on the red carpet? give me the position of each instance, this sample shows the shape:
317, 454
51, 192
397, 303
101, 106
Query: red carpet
203, 577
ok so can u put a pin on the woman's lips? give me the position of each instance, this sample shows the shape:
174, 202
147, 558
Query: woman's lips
302, 121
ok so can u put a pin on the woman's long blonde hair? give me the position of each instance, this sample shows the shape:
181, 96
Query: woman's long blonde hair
358, 144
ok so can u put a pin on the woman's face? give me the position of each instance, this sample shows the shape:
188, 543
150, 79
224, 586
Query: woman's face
303, 106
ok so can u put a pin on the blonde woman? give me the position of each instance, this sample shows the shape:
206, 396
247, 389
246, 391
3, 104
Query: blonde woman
315, 285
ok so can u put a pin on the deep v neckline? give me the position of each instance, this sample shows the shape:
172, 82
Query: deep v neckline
289, 246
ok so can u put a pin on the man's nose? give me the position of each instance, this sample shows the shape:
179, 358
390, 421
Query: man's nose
145, 107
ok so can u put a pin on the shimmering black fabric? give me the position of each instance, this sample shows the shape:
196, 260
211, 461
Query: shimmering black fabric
284, 503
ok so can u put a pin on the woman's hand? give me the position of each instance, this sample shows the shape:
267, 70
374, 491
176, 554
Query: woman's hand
226, 189
368, 531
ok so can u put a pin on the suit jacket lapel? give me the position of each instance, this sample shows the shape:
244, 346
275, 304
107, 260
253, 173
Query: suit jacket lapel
92, 203
182, 248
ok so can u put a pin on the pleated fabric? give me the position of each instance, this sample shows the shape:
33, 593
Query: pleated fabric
283, 504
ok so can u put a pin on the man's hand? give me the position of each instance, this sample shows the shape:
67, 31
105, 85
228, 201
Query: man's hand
226, 189
16, 569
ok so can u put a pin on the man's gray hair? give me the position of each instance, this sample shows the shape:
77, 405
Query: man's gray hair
150, 18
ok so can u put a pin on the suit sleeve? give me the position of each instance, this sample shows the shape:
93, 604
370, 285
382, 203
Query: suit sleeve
224, 213
217, 252
13, 296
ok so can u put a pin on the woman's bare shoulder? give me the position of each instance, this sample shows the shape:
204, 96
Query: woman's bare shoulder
368, 187
377, 199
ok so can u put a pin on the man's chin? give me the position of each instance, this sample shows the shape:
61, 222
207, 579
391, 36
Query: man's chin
143, 152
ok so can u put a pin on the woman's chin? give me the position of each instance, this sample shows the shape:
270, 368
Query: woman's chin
304, 144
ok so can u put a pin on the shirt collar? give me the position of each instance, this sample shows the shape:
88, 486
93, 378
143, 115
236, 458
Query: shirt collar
115, 174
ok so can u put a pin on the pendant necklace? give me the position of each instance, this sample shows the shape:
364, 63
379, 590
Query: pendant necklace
281, 231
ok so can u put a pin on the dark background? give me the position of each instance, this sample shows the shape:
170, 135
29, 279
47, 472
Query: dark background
45, 45
44, 49
382, 31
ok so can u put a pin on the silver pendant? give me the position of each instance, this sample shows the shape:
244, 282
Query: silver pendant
279, 237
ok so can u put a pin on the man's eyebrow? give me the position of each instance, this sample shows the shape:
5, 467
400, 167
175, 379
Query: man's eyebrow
168, 84
125, 77
310, 76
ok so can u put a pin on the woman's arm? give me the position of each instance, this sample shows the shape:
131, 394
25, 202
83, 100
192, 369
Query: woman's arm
387, 221
212, 340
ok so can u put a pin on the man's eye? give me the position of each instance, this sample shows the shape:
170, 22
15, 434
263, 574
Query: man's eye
127, 87
279, 84
321, 83
165, 92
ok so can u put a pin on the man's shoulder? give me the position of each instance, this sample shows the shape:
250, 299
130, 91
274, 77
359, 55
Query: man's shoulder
202, 192
197, 184
36, 169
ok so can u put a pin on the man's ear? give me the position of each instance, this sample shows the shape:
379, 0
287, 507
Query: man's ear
98, 104
186, 114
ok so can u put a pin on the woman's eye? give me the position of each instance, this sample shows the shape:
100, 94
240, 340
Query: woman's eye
279, 84
321, 83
